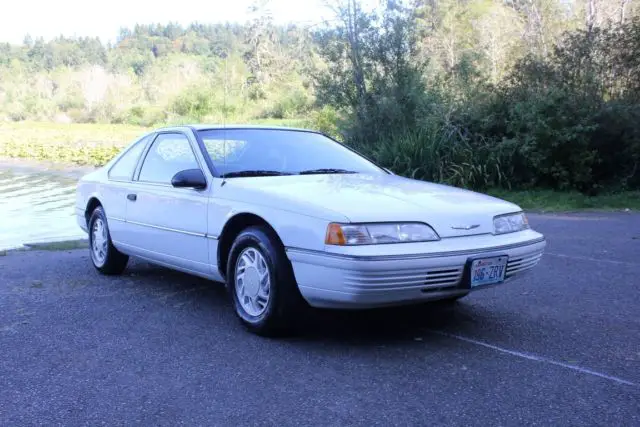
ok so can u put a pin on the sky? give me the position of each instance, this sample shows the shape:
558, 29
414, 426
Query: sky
104, 18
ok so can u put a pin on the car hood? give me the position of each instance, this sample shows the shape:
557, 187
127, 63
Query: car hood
449, 210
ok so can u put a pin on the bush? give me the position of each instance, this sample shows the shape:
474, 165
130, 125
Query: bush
290, 105
567, 122
195, 102
146, 116
327, 121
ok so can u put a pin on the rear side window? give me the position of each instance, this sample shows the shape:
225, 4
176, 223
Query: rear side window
123, 169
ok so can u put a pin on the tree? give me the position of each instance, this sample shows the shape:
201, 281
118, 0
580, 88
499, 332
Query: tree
259, 39
372, 73
499, 28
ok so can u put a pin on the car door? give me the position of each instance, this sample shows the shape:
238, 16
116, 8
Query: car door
113, 195
165, 224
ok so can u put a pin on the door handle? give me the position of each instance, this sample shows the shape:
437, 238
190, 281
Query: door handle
132, 197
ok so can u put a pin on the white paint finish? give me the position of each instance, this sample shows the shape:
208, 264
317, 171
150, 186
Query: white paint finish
537, 358
374, 198
171, 222
295, 228
112, 197
165, 261
479, 242
179, 228
331, 281
212, 245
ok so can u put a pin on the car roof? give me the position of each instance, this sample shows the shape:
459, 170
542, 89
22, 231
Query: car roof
201, 126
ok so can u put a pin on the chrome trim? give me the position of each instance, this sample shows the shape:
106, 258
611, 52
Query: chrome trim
413, 256
144, 186
190, 233
155, 184
465, 227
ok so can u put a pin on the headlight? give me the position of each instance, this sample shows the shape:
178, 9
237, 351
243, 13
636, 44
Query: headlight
369, 234
510, 223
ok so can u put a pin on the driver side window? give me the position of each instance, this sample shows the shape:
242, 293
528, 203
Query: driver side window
169, 154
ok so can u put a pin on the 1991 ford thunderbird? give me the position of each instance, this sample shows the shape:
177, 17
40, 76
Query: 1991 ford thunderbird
289, 217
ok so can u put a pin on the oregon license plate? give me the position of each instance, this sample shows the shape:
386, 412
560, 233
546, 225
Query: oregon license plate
487, 271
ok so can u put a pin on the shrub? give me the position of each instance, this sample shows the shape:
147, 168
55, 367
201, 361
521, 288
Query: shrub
195, 102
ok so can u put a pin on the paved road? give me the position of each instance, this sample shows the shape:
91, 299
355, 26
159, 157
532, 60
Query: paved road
561, 347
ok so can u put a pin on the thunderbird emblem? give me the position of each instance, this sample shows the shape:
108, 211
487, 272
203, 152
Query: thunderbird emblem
465, 227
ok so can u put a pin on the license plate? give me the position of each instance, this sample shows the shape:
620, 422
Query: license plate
487, 271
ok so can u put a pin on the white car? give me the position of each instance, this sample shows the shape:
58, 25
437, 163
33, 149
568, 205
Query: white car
289, 218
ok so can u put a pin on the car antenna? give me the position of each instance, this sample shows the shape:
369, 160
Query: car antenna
224, 118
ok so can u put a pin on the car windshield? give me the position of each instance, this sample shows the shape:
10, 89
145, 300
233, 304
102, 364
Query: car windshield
272, 152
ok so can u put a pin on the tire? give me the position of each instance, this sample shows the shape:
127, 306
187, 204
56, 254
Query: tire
104, 256
283, 306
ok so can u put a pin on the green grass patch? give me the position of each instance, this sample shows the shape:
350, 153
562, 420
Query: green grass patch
81, 143
59, 246
556, 201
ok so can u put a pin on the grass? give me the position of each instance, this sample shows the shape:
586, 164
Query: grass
555, 201
59, 246
81, 143
95, 144
65, 245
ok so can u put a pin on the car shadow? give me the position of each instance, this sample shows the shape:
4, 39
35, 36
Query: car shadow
403, 323
370, 326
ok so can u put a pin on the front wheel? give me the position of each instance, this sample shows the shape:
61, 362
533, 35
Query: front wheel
104, 256
261, 284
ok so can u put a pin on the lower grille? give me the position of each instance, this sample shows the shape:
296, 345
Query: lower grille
518, 265
426, 280
443, 278
405, 279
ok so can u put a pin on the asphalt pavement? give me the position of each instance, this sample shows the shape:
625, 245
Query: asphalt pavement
559, 347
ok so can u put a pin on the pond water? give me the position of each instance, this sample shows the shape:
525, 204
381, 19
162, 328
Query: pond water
36, 205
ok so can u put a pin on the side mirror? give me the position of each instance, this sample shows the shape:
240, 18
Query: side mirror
189, 178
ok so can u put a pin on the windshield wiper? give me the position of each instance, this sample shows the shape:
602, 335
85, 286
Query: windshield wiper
254, 173
327, 170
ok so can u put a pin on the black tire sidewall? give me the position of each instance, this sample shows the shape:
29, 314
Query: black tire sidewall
258, 239
99, 213
115, 262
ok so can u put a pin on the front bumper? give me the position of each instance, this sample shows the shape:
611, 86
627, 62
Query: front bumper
346, 281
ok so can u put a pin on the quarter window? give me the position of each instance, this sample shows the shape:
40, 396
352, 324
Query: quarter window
125, 165
169, 154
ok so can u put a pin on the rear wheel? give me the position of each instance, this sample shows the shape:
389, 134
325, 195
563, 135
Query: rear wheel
104, 256
261, 284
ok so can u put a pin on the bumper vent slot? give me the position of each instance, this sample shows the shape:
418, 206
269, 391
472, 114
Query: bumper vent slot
519, 265
443, 278
422, 279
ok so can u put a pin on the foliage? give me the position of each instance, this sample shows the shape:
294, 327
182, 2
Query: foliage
160, 73
83, 144
561, 201
567, 121
476, 93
